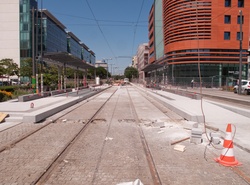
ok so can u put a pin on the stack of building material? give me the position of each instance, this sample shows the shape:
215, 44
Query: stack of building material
196, 135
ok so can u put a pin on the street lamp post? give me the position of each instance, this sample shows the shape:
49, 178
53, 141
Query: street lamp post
240, 65
33, 81
115, 70
112, 68
107, 66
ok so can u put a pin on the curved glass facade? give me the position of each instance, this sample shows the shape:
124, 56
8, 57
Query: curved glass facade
159, 45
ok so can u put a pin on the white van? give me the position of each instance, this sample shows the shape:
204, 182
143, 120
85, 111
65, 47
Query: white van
126, 80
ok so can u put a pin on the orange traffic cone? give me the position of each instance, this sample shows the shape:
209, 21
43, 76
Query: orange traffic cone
227, 156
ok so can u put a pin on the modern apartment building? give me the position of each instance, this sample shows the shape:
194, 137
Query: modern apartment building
189, 39
142, 60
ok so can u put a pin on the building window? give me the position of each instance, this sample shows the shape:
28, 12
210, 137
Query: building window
238, 36
238, 19
227, 19
25, 27
227, 3
240, 3
226, 35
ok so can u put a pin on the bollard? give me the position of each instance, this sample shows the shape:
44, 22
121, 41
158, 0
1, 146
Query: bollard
32, 105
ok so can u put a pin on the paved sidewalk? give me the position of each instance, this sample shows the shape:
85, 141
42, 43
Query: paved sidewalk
216, 114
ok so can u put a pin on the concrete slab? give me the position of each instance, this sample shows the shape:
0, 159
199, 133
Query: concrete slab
39, 109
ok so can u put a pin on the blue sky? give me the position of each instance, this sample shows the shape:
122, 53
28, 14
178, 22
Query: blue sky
111, 28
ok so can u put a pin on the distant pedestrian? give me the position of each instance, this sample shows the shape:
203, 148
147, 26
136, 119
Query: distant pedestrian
192, 83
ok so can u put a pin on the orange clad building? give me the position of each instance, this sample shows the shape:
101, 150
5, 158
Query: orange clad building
193, 38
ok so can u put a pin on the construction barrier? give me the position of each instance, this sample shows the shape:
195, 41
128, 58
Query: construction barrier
227, 157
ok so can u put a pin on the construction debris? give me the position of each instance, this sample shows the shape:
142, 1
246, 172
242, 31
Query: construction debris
161, 131
189, 125
108, 138
180, 148
158, 124
136, 182
175, 142
196, 136
215, 138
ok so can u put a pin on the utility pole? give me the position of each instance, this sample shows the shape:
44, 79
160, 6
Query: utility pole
107, 66
33, 81
240, 65
112, 69
41, 24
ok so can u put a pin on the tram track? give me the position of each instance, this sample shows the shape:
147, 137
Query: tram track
110, 145
104, 145
174, 117
61, 155
150, 160
12, 145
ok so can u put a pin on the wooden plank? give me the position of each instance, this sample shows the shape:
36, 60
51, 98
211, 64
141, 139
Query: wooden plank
3, 116
180, 148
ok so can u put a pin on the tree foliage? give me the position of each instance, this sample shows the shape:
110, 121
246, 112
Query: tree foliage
100, 72
50, 77
26, 68
131, 72
8, 67
1, 69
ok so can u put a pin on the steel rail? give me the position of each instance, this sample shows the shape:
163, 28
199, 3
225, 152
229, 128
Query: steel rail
235, 169
153, 170
61, 155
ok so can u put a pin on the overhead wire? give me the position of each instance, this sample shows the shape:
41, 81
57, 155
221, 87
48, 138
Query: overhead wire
135, 28
106, 40
200, 82
132, 23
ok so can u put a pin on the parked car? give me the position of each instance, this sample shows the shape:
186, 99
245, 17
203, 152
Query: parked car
245, 87
3, 83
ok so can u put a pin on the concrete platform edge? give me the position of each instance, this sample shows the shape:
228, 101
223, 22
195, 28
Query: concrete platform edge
42, 114
190, 116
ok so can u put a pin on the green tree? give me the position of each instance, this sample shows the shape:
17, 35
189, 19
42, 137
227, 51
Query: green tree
70, 73
50, 76
131, 72
26, 68
2, 69
9, 68
100, 71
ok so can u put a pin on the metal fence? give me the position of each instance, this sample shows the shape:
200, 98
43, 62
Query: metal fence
226, 83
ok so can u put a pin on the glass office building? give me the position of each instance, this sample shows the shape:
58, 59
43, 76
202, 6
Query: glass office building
23, 33
54, 36
26, 27
74, 46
